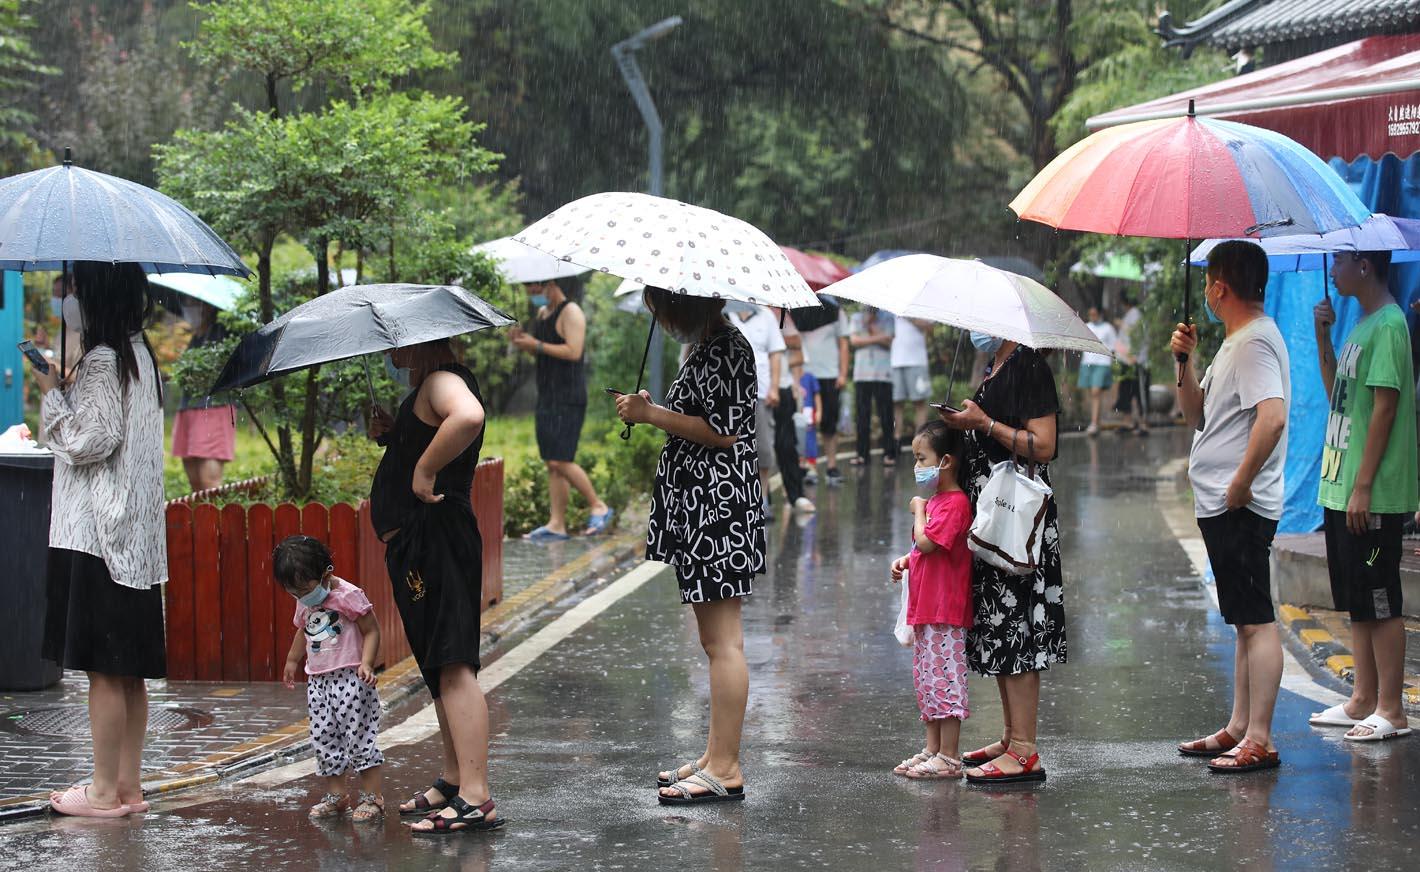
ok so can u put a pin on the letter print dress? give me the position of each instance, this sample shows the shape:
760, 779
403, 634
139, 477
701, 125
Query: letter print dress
707, 511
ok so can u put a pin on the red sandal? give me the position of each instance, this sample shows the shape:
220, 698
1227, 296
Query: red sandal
1223, 740
1248, 756
1031, 771
981, 756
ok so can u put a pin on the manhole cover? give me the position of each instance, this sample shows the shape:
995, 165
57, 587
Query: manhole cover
73, 720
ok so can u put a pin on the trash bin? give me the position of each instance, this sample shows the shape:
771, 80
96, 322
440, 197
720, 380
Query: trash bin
25, 481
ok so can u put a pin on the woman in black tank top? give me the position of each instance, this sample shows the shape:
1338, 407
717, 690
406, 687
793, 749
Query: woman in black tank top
556, 340
420, 507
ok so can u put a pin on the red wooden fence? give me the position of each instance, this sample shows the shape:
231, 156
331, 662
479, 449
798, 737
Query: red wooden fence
228, 620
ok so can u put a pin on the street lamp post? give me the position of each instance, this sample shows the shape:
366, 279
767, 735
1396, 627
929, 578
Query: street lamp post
625, 54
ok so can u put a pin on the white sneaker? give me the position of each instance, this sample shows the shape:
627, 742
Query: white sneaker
804, 505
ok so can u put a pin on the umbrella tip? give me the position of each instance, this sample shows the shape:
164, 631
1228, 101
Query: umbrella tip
1191, 112
68, 156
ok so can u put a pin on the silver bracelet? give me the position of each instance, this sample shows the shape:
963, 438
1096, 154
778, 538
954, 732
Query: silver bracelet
992, 427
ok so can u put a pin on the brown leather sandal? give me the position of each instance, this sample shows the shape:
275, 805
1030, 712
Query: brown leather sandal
1248, 756
1222, 740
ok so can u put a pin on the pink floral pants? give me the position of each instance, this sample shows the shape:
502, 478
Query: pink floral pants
939, 671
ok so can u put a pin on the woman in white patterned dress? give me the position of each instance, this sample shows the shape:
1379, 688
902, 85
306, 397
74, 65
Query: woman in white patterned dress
107, 540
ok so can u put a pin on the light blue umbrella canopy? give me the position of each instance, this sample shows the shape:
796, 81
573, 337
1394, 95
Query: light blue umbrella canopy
1307, 252
66, 213
219, 292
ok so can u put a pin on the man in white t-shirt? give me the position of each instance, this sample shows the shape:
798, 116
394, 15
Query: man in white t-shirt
1096, 374
761, 327
1239, 416
826, 348
1132, 350
911, 382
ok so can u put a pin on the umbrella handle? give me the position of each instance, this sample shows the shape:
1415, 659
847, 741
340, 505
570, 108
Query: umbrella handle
650, 334
1187, 294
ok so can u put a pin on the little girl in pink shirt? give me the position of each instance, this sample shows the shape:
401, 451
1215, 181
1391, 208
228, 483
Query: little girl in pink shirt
938, 599
338, 637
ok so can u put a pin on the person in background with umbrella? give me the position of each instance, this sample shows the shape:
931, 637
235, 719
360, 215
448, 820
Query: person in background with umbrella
557, 342
1019, 625
1368, 488
420, 507
107, 534
707, 518
1096, 372
1239, 418
204, 435
774, 414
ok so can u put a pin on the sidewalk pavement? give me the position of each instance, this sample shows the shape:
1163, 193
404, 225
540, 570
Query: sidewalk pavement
201, 732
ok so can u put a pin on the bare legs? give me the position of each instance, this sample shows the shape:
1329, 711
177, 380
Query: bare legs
1257, 670
463, 727
562, 477
944, 737
203, 472
722, 637
118, 718
1379, 650
1020, 703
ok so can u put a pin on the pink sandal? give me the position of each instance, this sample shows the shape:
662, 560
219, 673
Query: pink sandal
75, 803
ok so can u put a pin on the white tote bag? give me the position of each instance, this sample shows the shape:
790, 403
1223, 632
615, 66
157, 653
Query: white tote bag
1010, 517
902, 630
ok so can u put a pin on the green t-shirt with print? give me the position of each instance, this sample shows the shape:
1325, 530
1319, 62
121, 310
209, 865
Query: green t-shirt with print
1376, 355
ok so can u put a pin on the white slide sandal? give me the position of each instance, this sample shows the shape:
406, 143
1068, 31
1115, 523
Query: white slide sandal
1333, 717
1381, 730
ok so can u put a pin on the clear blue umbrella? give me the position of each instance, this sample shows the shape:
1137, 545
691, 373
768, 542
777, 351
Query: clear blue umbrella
219, 292
52, 217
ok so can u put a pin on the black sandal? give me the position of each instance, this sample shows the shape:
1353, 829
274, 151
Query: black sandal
422, 805
467, 818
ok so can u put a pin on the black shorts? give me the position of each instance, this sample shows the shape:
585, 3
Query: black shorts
1239, 546
559, 428
1365, 570
829, 396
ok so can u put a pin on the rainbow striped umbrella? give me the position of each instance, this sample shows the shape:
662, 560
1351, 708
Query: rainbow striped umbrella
1189, 178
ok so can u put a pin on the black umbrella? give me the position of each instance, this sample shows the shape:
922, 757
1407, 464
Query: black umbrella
356, 320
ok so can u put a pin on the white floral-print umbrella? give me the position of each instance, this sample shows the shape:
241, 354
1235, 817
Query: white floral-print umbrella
672, 245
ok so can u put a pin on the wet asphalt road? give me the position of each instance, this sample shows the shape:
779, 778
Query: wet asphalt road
580, 732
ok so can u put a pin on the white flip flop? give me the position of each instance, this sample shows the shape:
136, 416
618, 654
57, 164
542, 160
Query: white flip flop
1381, 730
1333, 717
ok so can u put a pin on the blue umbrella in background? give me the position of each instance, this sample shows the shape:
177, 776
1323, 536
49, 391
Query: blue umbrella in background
52, 217
1303, 253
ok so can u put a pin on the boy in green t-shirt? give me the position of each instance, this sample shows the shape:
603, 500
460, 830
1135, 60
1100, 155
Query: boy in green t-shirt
1368, 488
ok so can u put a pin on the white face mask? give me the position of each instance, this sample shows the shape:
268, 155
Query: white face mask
192, 314
73, 314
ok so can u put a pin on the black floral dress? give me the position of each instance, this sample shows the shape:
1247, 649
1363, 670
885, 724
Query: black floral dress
1020, 619
707, 515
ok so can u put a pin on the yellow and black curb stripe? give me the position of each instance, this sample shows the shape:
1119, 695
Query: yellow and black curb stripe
397, 682
1328, 652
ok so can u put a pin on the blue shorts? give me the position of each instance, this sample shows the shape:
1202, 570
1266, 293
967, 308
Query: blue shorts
1096, 375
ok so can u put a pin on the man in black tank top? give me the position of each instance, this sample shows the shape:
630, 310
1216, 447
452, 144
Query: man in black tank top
556, 339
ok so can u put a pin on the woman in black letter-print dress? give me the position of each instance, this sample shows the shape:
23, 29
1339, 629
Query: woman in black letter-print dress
707, 519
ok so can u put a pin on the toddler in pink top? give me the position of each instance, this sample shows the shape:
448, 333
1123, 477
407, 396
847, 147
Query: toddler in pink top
938, 599
338, 637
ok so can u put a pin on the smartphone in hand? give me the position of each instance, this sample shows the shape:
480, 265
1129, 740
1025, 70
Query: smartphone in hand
614, 392
27, 348
943, 407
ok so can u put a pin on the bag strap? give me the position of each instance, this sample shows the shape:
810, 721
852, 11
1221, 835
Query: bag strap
1030, 463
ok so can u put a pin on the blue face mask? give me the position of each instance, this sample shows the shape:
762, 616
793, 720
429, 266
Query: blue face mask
538, 300
985, 343
400, 375
1208, 308
926, 477
315, 597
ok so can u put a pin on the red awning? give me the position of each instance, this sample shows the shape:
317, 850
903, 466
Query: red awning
1358, 99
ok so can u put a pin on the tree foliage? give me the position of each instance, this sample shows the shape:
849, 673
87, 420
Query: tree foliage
346, 174
19, 67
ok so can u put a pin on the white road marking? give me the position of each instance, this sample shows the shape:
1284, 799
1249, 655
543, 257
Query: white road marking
1295, 676
424, 723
